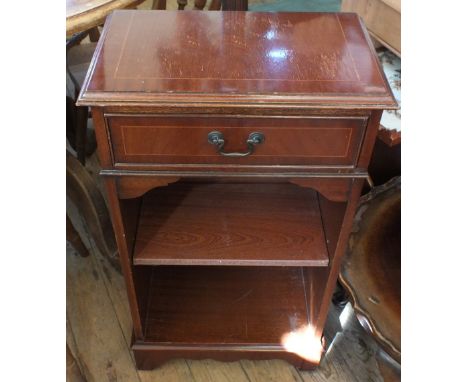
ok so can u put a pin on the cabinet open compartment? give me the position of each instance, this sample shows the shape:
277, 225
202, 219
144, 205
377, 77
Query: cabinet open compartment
226, 312
224, 305
228, 266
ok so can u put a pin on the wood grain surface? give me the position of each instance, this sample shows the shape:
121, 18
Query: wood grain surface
232, 66
256, 305
156, 57
184, 139
230, 224
352, 357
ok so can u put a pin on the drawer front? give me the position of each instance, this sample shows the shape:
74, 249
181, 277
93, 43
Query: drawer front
319, 141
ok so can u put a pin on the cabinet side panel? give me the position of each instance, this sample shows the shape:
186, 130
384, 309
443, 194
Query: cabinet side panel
332, 214
125, 254
102, 138
332, 220
369, 139
124, 218
315, 280
130, 211
335, 260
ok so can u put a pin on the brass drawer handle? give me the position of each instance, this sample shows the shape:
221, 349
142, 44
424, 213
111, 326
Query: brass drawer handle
216, 138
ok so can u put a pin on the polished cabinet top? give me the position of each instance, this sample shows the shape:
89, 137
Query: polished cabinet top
159, 57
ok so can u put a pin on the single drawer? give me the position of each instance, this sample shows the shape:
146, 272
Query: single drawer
328, 141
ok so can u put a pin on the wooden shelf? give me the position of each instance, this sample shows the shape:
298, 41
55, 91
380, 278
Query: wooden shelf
230, 224
224, 305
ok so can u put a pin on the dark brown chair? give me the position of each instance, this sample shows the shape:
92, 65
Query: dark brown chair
215, 5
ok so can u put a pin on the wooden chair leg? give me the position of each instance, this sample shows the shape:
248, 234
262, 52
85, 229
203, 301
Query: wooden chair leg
75, 240
235, 5
199, 4
84, 193
159, 4
94, 34
81, 131
215, 5
71, 122
182, 4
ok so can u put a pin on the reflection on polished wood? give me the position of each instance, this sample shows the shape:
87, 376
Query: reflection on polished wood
218, 56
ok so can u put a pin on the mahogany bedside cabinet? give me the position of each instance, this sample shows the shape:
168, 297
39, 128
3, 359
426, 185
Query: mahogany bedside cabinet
234, 147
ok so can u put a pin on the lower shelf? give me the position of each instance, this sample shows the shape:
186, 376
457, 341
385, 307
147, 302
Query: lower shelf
225, 313
235, 305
